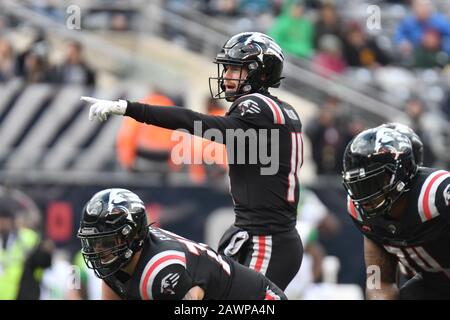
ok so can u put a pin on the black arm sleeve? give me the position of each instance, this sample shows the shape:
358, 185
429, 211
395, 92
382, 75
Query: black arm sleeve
181, 118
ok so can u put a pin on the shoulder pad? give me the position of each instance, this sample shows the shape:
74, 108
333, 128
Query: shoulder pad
155, 266
427, 199
263, 101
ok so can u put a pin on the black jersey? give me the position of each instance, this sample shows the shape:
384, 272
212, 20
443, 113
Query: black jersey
420, 239
263, 175
170, 265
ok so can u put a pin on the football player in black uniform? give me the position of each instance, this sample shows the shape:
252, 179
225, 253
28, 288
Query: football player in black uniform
403, 210
137, 261
265, 193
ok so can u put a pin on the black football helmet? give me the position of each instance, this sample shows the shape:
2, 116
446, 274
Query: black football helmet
378, 168
112, 229
259, 53
417, 144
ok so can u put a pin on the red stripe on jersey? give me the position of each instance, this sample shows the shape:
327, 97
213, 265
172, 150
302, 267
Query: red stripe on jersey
352, 208
261, 252
277, 110
153, 267
425, 201
279, 118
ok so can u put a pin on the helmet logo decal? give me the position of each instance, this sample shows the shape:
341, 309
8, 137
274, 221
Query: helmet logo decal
125, 197
388, 140
115, 198
95, 208
272, 47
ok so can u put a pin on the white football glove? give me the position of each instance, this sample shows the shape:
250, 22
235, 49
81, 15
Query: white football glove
101, 109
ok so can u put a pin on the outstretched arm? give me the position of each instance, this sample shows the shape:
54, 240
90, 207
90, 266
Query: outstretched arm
169, 118
181, 118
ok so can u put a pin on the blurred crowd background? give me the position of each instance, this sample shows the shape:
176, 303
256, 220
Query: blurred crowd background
349, 65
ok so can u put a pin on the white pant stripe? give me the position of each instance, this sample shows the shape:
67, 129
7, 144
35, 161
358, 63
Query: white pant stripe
291, 177
267, 255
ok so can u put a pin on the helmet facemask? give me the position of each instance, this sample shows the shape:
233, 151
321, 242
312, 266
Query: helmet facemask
244, 85
371, 190
113, 228
107, 252
376, 187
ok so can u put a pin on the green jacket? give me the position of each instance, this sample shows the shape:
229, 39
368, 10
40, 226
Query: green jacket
12, 262
294, 35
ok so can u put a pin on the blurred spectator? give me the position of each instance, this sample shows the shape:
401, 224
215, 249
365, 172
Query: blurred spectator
207, 159
328, 137
35, 68
445, 105
225, 7
3, 23
254, 7
119, 22
424, 125
354, 126
22, 256
219, 165
328, 23
36, 264
429, 54
359, 51
329, 60
58, 278
313, 218
293, 31
90, 284
416, 111
145, 142
411, 30
214, 107
143, 147
8, 63
74, 70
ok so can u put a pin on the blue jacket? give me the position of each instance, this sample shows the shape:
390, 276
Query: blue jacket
411, 29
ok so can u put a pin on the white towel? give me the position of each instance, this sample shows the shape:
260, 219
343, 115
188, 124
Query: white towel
236, 242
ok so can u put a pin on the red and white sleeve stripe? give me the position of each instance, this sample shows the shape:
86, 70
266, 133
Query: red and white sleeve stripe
427, 198
278, 116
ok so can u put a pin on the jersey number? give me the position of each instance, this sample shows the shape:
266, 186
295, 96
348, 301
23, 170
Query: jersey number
420, 257
296, 163
196, 248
